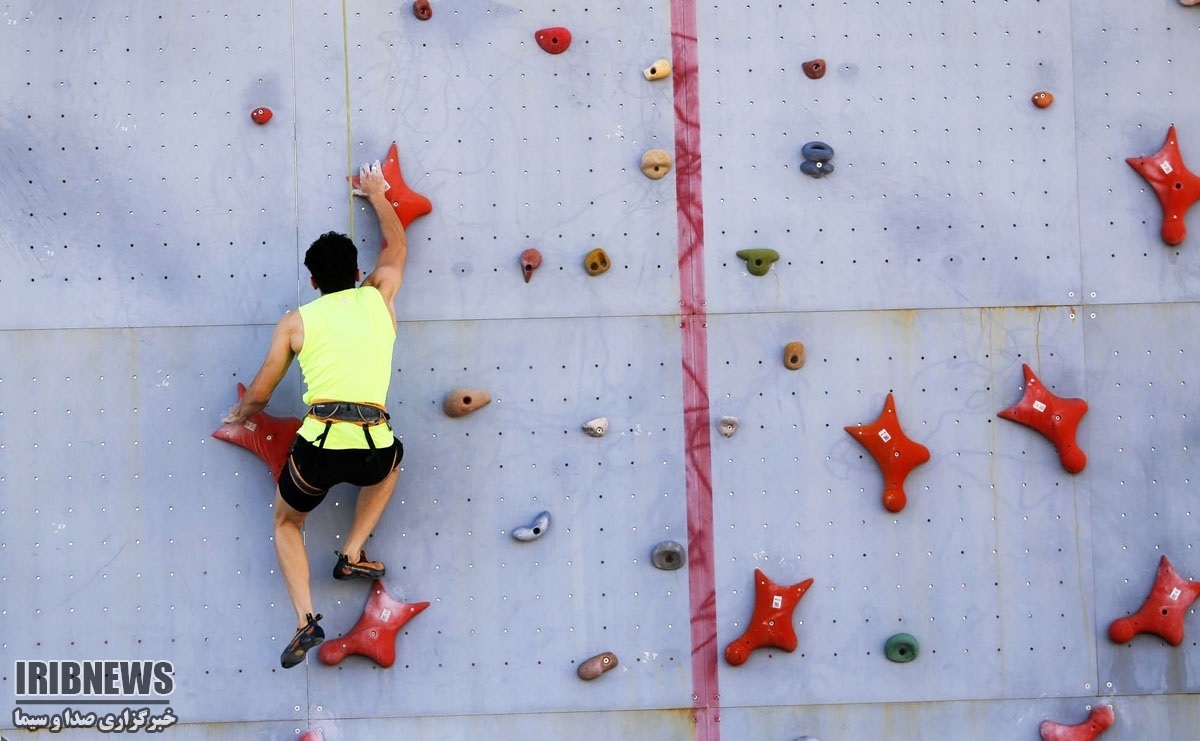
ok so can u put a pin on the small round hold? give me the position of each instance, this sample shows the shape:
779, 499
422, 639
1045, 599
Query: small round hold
1043, 99
597, 665
553, 40
533, 530
901, 648
596, 262
817, 152
531, 260
658, 70
793, 355
461, 402
668, 556
727, 426
814, 69
261, 115
596, 427
422, 10
816, 169
656, 163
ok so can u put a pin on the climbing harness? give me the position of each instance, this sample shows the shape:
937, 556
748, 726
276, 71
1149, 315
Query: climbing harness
363, 415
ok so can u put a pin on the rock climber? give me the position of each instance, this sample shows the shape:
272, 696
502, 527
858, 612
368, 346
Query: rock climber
344, 341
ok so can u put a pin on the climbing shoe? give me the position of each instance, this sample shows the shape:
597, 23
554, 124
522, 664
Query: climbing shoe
310, 636
364, 569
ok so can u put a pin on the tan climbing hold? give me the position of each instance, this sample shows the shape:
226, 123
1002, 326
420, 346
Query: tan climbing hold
793, 355
461, 402
596, 262
597, 665
656, 163
658, 70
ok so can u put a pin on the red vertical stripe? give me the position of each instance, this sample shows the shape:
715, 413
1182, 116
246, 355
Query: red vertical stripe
693, 326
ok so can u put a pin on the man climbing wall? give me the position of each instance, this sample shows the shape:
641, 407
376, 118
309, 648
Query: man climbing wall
344, 342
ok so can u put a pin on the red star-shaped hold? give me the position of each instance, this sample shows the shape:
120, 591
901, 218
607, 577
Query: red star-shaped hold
1098, 721
407, 203
1176, 186
374, 635
270, 438
895, 453
1053, 416
771, 623
1164, 610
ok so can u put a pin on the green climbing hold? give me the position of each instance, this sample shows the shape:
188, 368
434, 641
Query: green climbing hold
901, 648
758, 261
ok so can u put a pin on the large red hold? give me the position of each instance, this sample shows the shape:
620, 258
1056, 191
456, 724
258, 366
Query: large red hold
374, 635
1098, 721
896, 454
1177, 187
270, 438
1164, 610
407, 203
554, 40
1053, 416
771, 623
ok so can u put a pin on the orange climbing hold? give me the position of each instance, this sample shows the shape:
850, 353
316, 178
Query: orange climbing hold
1098, 721
895, 453
1164, 610
270, 438
407, 203
531, 260
1177, 187
1053, 416
374, 635
554, 40
771, 623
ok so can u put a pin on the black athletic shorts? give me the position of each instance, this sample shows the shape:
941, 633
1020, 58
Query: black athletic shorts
310, 472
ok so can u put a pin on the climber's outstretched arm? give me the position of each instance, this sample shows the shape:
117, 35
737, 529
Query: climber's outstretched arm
389, 268
285, 343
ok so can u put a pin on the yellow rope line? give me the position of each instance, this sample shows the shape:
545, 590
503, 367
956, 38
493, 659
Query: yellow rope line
349, 145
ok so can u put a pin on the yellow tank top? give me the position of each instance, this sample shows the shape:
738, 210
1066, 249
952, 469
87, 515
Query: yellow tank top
347, 356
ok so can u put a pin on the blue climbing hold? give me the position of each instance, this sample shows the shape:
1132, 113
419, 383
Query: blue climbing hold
817, 152
817, 156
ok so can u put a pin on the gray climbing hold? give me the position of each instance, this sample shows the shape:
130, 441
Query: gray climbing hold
727, 426
668, 556
533, 530
596, 427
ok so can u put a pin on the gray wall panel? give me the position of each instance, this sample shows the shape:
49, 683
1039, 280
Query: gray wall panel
950, 187
1132, 83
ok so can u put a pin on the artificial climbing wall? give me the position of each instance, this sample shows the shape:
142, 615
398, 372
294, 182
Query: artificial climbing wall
152, 234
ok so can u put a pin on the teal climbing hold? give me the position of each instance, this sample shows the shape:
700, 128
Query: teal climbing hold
901, 648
